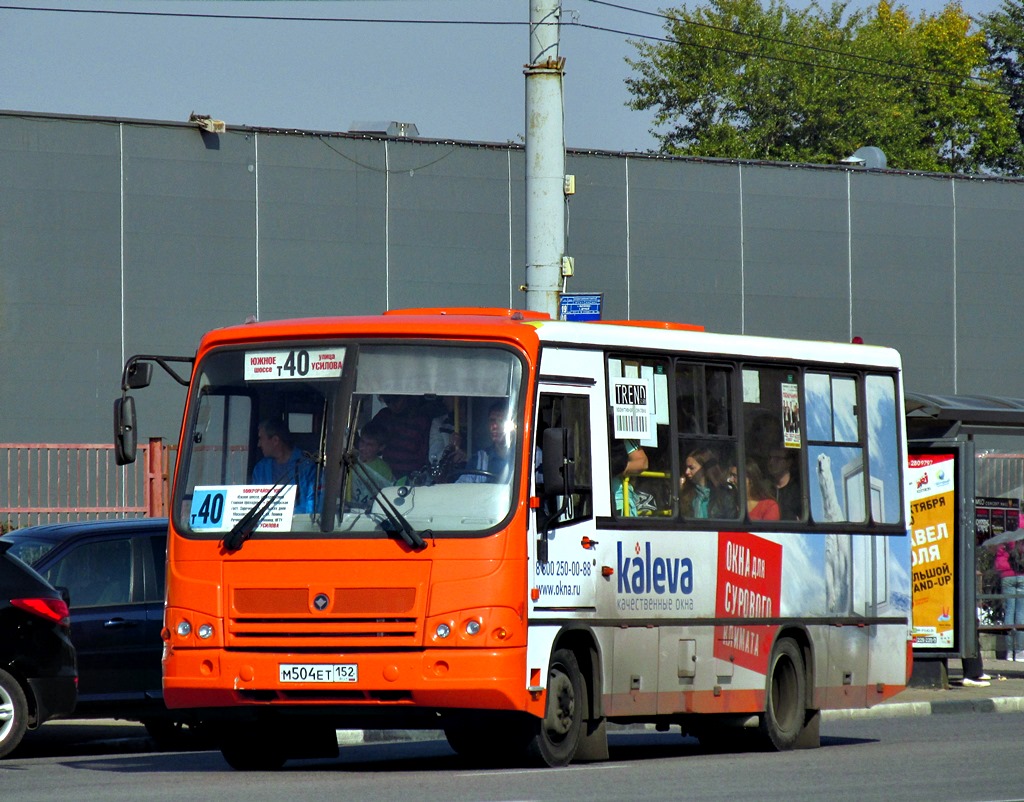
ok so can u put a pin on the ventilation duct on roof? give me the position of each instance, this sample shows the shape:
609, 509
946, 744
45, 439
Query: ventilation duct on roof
385, 128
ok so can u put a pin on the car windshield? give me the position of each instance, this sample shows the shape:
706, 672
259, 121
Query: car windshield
337, 439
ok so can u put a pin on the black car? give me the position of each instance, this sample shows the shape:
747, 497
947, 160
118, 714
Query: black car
113, 572
37, 660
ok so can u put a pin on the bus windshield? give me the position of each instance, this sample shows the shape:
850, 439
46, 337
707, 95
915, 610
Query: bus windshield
350, 439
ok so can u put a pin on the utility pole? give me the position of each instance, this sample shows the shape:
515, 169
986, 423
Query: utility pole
545, 161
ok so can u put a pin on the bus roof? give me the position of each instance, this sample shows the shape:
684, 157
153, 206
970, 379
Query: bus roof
531, 329
702, 342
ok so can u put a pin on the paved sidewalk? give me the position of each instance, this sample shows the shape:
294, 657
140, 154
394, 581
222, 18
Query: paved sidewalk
1004, 694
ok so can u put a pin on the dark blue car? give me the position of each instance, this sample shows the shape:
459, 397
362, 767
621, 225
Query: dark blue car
113, 573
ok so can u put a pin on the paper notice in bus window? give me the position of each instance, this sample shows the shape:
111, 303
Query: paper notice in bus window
790, 415
295, 363
631, 408
751, 387
217, 508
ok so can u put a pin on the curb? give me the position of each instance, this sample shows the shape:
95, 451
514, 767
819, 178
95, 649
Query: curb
999, 704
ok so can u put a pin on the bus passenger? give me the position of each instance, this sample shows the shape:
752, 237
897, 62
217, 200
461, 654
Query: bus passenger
703, 492
784, 474
628, 459
494, 463
406, 420
282, 462
761, 503
371, 442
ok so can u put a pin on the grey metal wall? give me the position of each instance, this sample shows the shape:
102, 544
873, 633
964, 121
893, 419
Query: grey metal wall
121, 237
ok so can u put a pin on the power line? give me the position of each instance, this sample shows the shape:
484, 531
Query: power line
573, 24
254, 17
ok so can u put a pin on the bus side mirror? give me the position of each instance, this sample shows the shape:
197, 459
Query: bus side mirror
558, 464
138, 375
125, 438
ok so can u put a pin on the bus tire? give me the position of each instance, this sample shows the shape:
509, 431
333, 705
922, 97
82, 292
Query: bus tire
557, 736
785, 696
13, 713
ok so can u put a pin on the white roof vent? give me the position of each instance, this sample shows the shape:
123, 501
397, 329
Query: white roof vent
385, 128
869, 157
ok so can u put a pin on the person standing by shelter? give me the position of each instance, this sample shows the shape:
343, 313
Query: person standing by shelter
1009, 564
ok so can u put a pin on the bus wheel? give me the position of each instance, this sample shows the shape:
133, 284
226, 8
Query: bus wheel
558, 735
252, 748
784, 714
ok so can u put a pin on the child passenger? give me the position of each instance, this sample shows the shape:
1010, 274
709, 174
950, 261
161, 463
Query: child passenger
372, 440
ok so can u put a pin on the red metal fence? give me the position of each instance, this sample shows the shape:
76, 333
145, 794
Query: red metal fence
999, 475
51, 482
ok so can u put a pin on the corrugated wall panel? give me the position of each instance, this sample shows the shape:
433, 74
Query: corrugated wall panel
990, 287
795, 253
322, 228
60, 319
449, 213
215, 227
903, 261
684, 241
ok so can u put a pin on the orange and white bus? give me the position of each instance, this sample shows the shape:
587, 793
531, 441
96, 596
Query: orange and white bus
516, 530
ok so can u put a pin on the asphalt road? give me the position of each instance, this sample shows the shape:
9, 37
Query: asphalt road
972, 756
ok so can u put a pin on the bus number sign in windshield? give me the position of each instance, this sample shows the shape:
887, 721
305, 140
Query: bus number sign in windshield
295, 363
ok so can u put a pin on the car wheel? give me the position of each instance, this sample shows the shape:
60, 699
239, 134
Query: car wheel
13, 713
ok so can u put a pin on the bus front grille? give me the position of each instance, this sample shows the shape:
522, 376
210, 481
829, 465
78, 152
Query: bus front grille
328, 617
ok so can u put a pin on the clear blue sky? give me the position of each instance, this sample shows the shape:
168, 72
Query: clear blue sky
455, 81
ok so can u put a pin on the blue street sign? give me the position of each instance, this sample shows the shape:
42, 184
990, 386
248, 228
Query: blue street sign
581, 306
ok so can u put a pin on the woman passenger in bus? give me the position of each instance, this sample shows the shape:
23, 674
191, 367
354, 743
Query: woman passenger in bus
703, 489
761, 503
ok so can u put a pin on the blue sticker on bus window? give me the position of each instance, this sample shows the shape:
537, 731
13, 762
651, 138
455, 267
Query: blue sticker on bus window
207, 511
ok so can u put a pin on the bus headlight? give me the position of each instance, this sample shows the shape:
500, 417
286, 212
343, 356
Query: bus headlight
472, 627
184, 628
443, 630
204, 631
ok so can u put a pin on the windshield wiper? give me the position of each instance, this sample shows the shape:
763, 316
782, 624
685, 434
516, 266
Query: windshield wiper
249, 522
398, 521
341, 438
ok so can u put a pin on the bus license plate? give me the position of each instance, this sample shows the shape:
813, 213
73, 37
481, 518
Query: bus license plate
319, 672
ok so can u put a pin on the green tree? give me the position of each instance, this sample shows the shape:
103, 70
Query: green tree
1005, 29
739, 79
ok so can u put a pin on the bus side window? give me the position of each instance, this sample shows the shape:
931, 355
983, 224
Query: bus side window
707, 447
640, 459
773, 434
836, 449
573, 413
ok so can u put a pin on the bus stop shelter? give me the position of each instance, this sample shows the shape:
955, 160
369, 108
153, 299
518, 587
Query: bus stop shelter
965, 438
